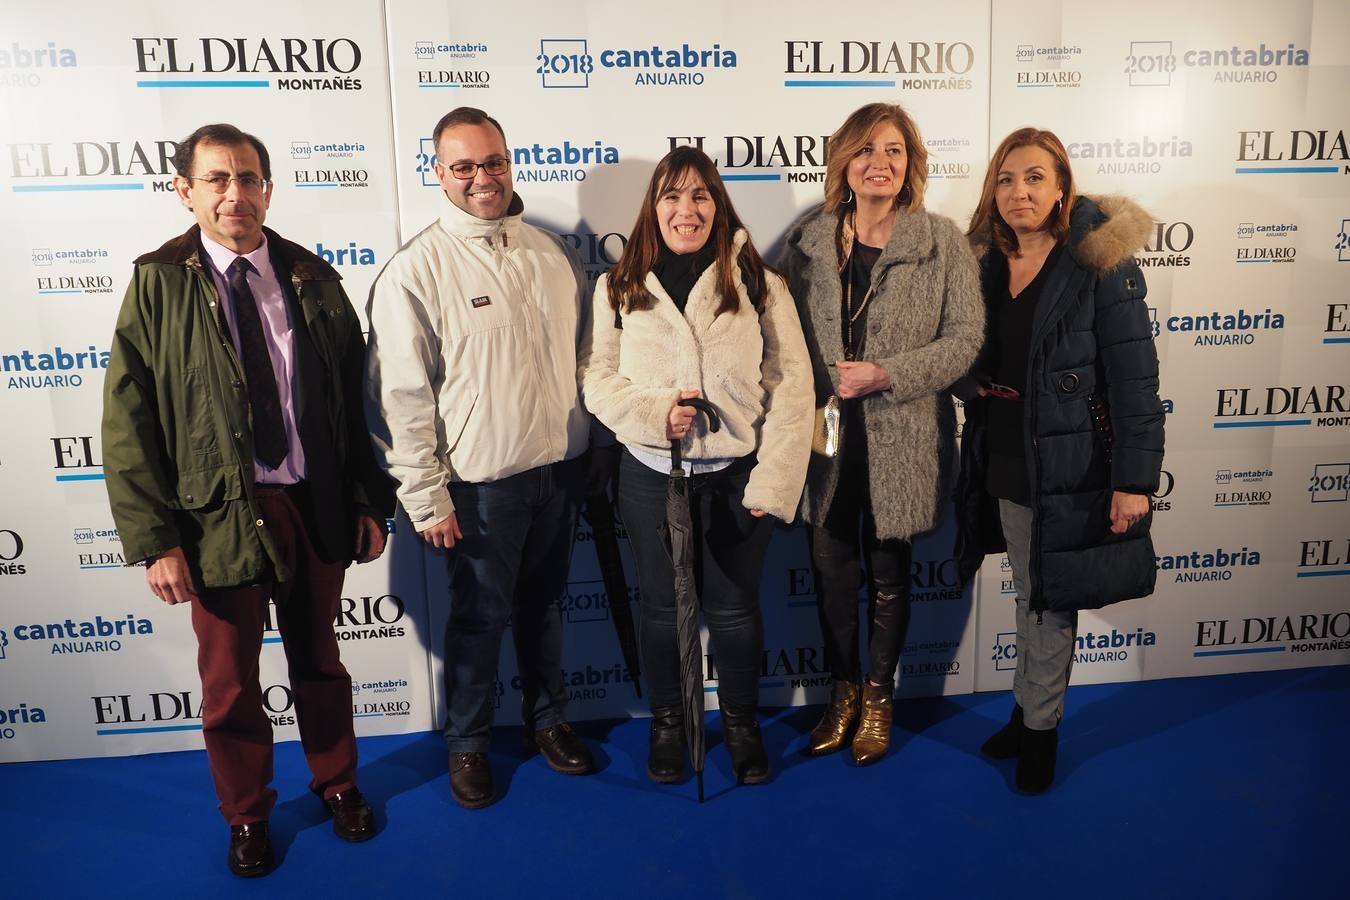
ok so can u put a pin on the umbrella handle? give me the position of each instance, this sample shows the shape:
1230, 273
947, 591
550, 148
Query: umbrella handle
703, 406
714, 425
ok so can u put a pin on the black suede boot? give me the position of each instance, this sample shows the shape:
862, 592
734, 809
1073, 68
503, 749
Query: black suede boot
1036, 765
744, 743
1006, 743
665, 754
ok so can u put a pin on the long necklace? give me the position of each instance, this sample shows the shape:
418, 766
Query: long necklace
853, 314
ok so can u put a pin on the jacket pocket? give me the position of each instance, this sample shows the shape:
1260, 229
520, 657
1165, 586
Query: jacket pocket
206, 489
455, 428
197, 445
1073, 384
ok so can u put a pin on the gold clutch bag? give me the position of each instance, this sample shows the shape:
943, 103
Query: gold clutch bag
825, 438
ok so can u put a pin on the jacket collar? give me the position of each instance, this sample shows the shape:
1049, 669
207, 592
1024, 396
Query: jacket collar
1104, 231
465, 225
820, 234
288, 257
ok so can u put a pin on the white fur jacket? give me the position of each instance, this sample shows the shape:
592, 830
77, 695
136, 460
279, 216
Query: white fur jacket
752, 367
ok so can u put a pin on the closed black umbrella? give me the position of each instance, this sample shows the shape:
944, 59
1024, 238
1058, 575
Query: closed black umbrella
599, 513
678, 533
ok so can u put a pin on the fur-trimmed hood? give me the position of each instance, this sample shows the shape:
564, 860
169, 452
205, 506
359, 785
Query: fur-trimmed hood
1104, 231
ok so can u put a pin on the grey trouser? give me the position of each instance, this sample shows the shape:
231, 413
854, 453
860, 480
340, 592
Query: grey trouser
1045, 649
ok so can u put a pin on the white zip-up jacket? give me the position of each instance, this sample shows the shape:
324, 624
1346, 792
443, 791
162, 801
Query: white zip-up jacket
752, 367
471, 367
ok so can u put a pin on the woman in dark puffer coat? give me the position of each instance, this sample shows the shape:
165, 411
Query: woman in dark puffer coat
1063, 439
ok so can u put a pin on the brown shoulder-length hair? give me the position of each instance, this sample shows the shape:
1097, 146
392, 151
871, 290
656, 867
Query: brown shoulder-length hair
626, 289
853, 135
987, 215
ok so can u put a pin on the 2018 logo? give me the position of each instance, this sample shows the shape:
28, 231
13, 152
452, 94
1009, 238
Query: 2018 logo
1329, 483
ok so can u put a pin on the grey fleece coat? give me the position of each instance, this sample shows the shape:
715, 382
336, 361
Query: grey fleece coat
751, 366
925, 326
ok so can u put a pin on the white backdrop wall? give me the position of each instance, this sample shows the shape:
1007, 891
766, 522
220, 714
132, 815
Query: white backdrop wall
1225, 120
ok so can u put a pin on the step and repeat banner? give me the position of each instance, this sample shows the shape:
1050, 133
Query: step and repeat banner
1225, 120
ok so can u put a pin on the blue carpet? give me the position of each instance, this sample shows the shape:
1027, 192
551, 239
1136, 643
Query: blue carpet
1231, 786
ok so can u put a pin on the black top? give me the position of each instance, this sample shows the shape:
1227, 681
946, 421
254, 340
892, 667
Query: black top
679, 272
858, 273
1011, 338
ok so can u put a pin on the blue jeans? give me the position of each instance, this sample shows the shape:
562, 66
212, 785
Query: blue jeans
730, 548
510, 567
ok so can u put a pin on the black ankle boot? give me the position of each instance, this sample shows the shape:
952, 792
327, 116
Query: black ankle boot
744, 743
1036, 765
665, 755
1006, 743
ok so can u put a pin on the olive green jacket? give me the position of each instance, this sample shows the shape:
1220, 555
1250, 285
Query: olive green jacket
177, 436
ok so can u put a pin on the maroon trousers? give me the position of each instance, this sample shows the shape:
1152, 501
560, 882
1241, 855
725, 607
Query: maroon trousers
229, 623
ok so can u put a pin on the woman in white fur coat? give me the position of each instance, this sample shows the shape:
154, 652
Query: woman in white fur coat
691, 310
893, 316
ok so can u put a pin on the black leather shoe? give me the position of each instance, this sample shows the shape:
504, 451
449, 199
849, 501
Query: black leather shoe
1036, 765
471, 780
250, 850
746, 746
1006, 743
665, 754
353, 819
562, 749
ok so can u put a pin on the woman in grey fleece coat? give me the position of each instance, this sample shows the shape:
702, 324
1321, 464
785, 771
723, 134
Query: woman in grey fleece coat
891, 309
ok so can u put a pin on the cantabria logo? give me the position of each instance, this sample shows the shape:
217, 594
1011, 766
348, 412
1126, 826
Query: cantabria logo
533, 162
23, 65
113, 165
350, 255
560, 162
14, 715
1110, 646
1126, 156
1152, 63
1052, 66
97, 635
1225, 329
299, 64
54, 368
922, 65
569, 63
72, 256
1207, 565
590, 683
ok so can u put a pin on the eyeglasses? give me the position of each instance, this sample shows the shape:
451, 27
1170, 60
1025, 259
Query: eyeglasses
221, 183
466, 170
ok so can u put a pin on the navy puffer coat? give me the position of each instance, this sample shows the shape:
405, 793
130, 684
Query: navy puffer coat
1091, 343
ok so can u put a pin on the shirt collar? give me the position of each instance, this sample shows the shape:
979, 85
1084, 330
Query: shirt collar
223, 257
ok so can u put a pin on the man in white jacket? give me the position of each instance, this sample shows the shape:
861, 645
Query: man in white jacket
474, 408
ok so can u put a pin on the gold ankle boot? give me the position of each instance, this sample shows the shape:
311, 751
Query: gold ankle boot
873, 738
839, 718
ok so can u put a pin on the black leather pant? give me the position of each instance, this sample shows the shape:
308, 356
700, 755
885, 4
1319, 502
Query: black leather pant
840, 548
